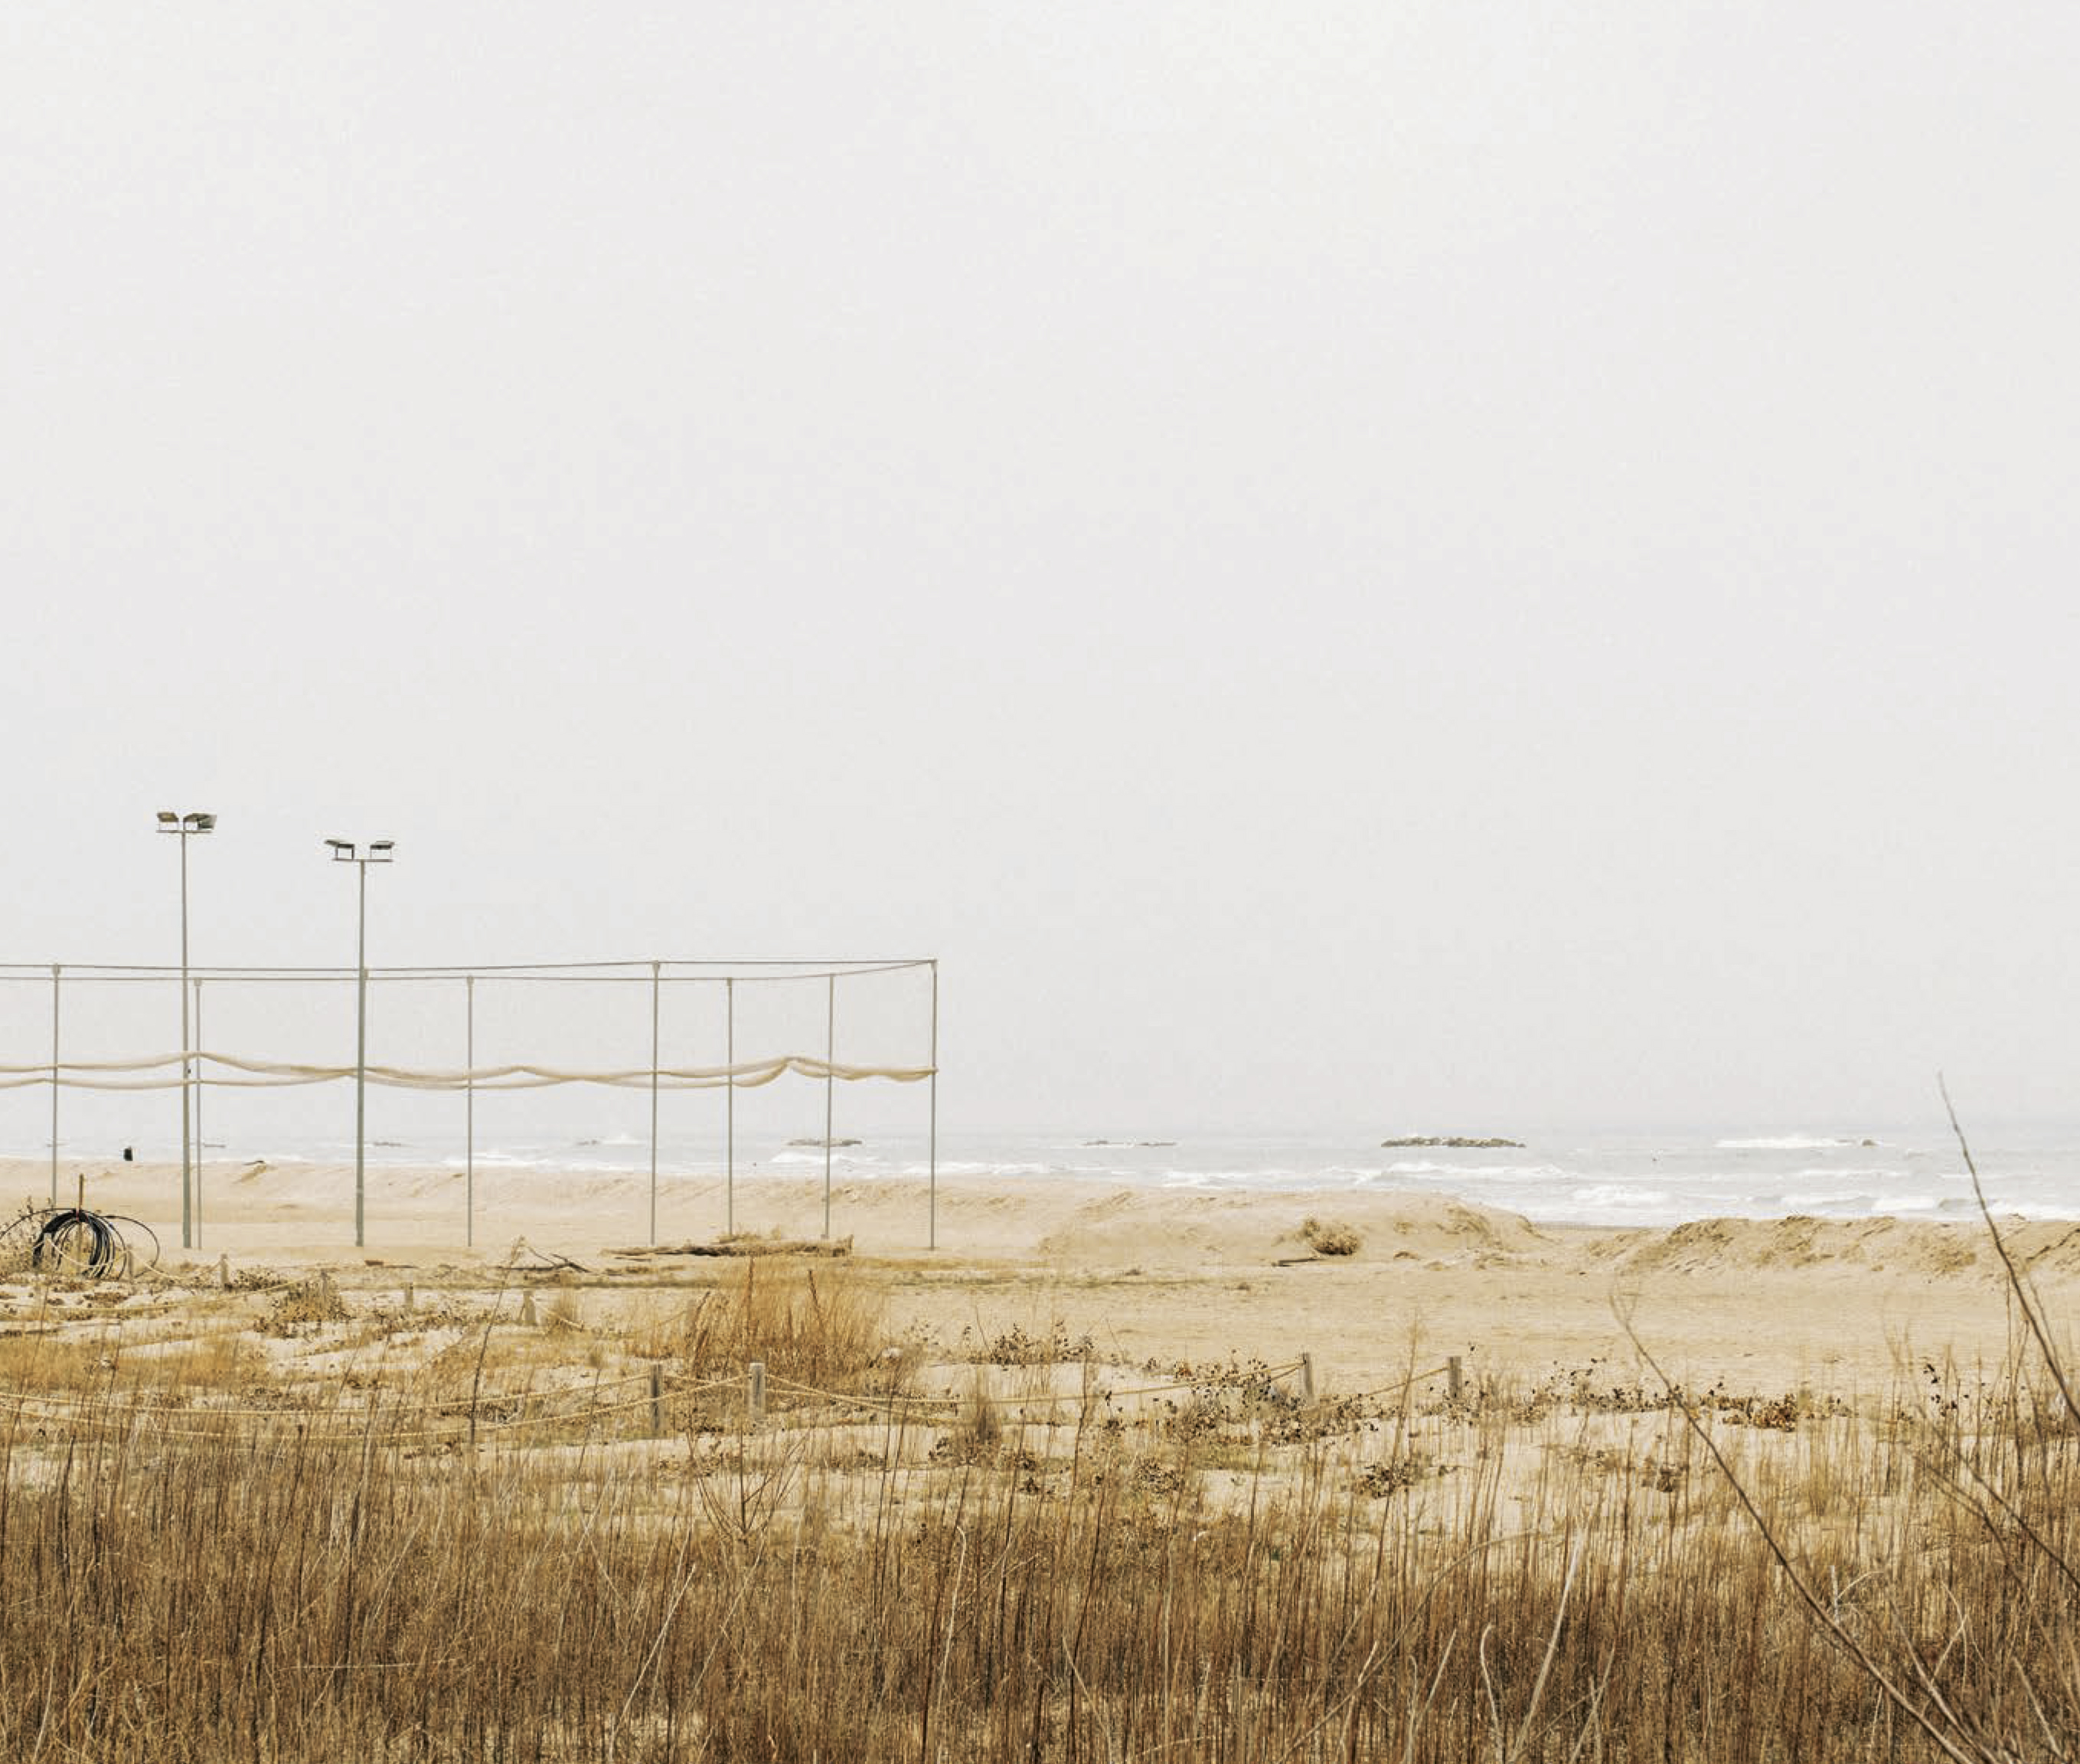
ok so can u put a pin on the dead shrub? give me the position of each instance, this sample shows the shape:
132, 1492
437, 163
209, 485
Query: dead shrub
304, 1304
1330, 1237
1019, 1347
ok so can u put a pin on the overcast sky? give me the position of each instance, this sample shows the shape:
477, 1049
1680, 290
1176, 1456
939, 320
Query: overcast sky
1386, 565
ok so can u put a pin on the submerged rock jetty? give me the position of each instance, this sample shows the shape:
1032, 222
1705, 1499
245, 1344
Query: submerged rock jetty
1452, 1142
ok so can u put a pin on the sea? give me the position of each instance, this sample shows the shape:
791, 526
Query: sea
1559, 1178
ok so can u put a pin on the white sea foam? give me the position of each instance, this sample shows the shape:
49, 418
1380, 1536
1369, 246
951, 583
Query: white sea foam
1789, 1142
2016, 1209
1522, 1173
973, 1167
1618, 1198
1624, 1179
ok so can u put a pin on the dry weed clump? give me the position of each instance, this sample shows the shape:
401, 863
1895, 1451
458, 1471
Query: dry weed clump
305, 1305
1017, 1345
820, 1328
977, 1434
1389, 1476
1330, 1237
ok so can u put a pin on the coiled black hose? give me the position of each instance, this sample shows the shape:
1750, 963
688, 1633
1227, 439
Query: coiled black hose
78, 1241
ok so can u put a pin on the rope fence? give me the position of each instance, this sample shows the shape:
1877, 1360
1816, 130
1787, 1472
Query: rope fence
453, 1419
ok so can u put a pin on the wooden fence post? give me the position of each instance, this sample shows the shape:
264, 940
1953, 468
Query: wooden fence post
1455, 1376
757, 1392
657, 1400
1306, 1378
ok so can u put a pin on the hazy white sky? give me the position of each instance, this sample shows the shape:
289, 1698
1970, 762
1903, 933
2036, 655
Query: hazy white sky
1385, 565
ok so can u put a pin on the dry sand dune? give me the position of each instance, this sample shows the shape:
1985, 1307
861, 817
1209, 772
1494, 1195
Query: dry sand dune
1164, 1276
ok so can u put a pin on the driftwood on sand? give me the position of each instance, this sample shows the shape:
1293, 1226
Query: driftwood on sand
745, 1246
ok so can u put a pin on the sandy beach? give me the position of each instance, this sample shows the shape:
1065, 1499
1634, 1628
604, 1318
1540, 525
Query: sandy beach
1161, 1277
1071, 1368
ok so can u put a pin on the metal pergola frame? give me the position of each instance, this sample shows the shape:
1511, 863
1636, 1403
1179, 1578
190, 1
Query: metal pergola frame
656, 973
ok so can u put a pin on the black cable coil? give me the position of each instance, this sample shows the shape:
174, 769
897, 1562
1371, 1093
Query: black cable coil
77, 1241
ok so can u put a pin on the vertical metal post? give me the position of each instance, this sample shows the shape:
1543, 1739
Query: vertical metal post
360, 1054
187, 1169
655, 970
54, 1084
469, 1109
198, 1123
729, 1129
348, 851
830, 1059
196, 821
932, 1144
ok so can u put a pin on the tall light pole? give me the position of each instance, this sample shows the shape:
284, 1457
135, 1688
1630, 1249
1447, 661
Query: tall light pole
183, 824
344, 851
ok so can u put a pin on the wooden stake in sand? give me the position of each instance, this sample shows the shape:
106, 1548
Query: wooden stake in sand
755, 1396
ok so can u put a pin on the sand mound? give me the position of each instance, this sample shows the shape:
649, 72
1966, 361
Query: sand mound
1166, 1227
1714, 1245
1916, 1247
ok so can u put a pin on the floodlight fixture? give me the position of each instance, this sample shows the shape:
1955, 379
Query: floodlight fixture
342, 850
380, 850
167, 817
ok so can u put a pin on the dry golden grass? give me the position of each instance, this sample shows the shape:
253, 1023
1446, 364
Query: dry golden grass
437, 1535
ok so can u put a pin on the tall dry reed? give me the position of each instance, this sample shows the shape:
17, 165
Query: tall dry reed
181, 1587
189, 1577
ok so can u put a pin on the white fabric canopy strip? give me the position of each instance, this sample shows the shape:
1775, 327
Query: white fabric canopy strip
260, 1074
